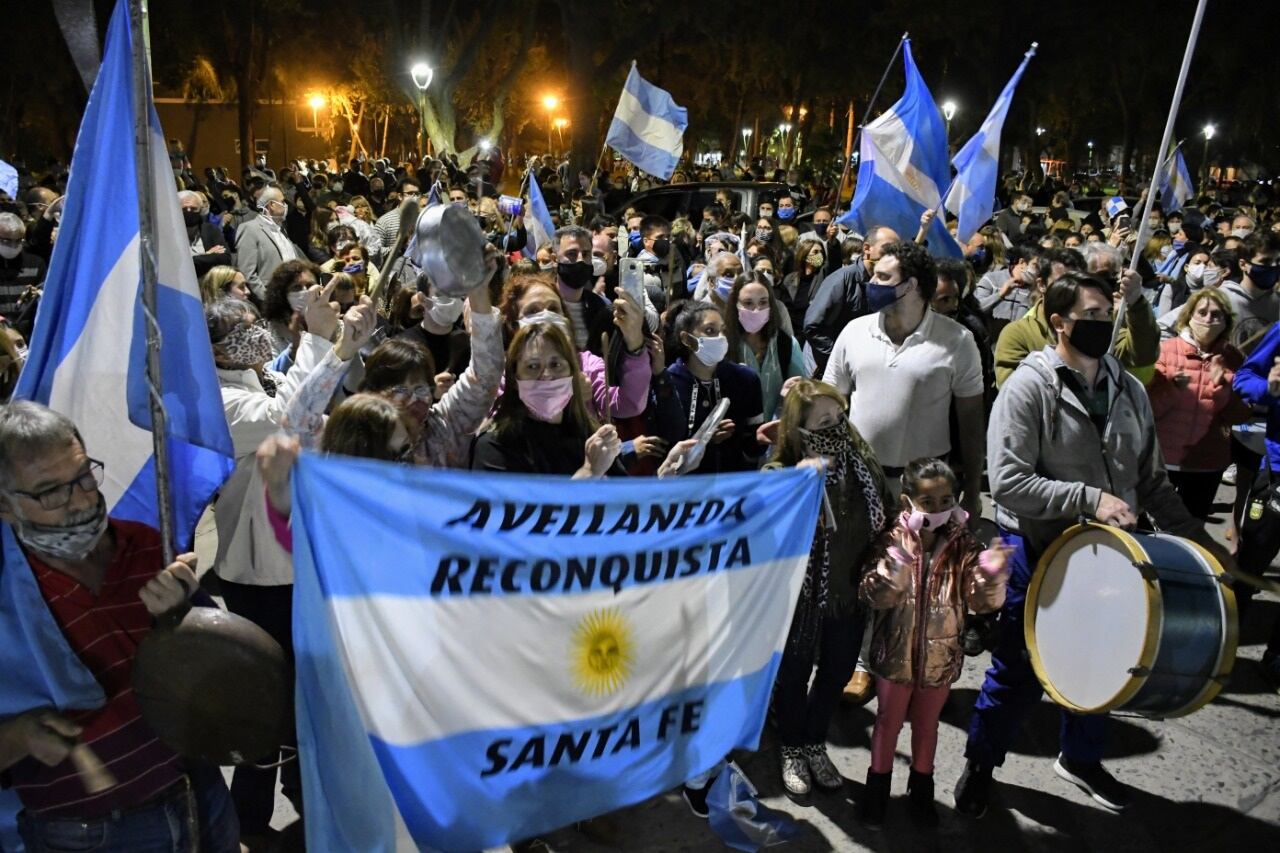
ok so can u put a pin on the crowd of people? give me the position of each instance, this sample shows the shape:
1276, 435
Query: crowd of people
872, 357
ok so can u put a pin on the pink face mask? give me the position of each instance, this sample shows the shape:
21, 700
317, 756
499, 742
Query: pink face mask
753, 319
545, 398
918, 520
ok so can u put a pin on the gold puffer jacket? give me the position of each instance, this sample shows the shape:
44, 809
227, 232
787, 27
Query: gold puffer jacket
925, 651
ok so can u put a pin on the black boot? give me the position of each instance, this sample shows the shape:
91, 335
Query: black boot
875, 800
920, 796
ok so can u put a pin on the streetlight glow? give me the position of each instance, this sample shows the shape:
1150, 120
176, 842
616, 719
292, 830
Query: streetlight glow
949, 110
485, 145
550, 101
422, 73
1039, 131
1209, 131
315, 101
746, 133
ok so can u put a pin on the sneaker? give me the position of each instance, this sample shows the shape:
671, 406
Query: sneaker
824, 772
696, 798
973, 790
875, 800
795, 771
920, 796
1229, 475
1095, 781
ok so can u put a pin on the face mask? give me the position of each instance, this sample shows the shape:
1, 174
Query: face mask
711, 351
1179, 245
881, 296
246, 347
574, 275
768, 276
764, 235
70, 542
545, 398
298, 301
635, 240
1195, 275
1205, 333
445, 311
10, 252
661, 246
547, 267
1212, 275
1264, 278
816, 260
753, 319
724, 286
786, 214
192, 218
1241, 232
820, 228
918, 520
828, 441
598, 267
545, 316
1091, 338
978, 255
354, 268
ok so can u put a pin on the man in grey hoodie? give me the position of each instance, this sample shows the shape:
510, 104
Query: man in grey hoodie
1071, 435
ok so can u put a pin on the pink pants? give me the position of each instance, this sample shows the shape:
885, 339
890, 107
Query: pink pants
895, 704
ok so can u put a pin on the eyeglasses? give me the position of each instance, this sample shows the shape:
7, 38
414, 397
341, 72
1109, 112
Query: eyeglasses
56, 497
6, 241
419, 393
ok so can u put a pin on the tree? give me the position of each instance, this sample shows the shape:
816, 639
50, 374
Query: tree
200, 85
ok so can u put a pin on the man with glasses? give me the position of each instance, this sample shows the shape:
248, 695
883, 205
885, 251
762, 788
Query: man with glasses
78, 593
388, 225
20, 270
261, 242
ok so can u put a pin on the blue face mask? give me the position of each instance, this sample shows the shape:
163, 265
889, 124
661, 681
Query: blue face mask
881, 296
786, 213
978, 255
724, 286
634, 238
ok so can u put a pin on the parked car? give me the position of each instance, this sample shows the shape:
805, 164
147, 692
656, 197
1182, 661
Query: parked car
676, 200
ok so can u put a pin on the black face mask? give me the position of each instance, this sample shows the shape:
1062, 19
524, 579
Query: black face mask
661, 246
1092, 338
575, 275
192, 218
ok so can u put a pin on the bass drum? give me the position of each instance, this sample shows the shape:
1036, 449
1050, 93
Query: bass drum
1137, 622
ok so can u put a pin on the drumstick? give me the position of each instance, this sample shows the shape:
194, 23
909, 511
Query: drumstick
608, 404
93, 774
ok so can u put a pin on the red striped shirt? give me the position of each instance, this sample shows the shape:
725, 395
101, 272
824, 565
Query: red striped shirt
104, 632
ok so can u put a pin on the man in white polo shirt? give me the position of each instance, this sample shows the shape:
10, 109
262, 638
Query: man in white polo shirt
903, 365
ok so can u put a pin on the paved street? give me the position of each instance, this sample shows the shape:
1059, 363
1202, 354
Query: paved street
1207, 782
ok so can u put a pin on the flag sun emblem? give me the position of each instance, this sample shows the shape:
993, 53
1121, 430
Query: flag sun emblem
603, 651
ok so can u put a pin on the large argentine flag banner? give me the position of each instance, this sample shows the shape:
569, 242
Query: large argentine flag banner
88, 351
902, 167
648, 127
482, 657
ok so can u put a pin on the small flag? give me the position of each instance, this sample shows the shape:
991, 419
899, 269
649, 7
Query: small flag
1116, 206
537, 219
973, 192
1175, 183
737, 817
903, 167
8, 180
648, 127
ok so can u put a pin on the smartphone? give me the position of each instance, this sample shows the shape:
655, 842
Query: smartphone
1124, 221
631, 279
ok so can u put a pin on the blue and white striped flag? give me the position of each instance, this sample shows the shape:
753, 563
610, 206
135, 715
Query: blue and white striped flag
648, 127
1116, 205
498, 655
973, 192
1175, 183
537, 220
8, 180
88, 350
903, 167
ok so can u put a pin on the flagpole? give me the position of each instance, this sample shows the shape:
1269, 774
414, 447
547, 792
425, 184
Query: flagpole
867, 115
147, 256
1160, 161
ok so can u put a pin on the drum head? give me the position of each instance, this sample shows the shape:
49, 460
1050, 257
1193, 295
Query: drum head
1091, 617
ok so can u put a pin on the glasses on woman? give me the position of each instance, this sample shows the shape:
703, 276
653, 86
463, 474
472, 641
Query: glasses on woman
405, 394
56, 497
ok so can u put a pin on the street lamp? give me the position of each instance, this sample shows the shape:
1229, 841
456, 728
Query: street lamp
550, 102
746, 141
1090, 144
485, 145
315, 101
422, 73
560, 125
1209, 131
948, 113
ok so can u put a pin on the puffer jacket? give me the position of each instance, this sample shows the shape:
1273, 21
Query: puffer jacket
923, 649
1193, 422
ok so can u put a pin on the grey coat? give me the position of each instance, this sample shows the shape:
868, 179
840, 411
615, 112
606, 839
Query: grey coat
257, 255
1047, 467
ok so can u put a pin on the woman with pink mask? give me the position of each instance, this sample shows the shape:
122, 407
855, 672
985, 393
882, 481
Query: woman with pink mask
757, 340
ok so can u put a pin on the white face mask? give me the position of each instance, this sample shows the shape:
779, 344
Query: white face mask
598, 267
1241, 232
711, 351
10, 252
1195, 275
445, 310
1212, 276
546, 316
547, 267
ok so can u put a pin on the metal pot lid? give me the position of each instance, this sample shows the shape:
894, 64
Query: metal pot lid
450, 249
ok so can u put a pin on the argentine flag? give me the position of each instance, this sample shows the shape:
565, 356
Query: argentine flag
973, 192
1175, 183
484, 657
88, 351
903, 167
537, 220
648, 127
